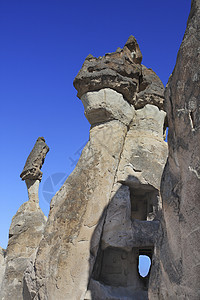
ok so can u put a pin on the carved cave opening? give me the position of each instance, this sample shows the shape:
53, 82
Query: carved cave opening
144, 265
143, 204
120, 268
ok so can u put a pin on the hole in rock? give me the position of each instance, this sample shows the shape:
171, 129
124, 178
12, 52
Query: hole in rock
166, 134
143, 204
144, 265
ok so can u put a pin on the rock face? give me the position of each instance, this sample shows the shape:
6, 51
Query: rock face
25, 232
2, 264
176, 269
107, 212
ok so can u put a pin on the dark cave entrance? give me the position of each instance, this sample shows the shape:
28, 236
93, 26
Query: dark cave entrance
143, 204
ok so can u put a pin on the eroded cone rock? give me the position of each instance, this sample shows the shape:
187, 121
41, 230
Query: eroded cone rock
176, 270
108, 209
26, 230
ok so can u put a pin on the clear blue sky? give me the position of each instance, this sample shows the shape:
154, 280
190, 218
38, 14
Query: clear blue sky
43, 46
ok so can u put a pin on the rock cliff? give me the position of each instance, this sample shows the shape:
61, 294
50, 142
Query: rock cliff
176, 271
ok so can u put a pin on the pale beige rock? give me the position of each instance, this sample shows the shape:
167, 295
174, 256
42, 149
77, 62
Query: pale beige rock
106, 105
26, 230
132, 217
33, 188
94, 236
24, 236
107, 212
145, 152
2, 264
68, 250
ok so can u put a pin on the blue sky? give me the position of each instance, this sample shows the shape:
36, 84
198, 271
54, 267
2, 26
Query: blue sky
43, 46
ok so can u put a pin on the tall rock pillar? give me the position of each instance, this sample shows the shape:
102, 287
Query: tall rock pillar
26, 229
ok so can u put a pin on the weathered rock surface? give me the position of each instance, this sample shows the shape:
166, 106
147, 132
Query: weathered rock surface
121, 71
25, 232
68, 250
24, 236
132, 217
35, 161
176, 269
151, 89
108, 209
138, 178
106, 105
107, 212
2, 264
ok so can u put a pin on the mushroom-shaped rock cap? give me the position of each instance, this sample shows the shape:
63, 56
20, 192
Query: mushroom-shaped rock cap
120, 71
35, 161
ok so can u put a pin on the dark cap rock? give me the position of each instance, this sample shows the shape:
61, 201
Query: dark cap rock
120, 71
133, 46
35, 161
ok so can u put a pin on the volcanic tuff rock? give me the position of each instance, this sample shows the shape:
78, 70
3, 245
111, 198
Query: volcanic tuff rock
176, 271
107, 211
35, 161
121, 71
25, 232
2, 264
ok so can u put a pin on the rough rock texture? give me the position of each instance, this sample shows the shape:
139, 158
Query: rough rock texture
176, 269
132, 217
24, 236
107, 212
106, 105
35, 161
150, 89
2, 264
67, 252
121, 71
25, 232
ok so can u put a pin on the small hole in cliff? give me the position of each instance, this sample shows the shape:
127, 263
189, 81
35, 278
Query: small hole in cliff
144, 265
166, 134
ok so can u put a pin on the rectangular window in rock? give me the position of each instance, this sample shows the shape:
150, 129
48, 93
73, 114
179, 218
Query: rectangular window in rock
144, 204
